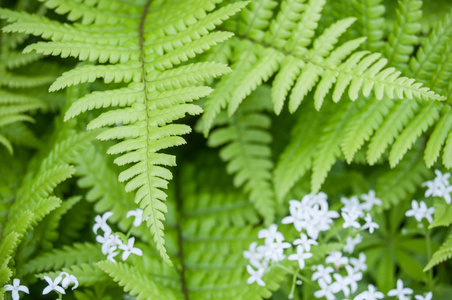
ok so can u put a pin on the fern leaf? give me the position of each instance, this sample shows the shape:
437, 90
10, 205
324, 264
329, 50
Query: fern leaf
246, 150
256, 17
443, 214
362, 125
370, 22
385, 135
413, 130
438, 138
444, 253
403, 38
5, 142
67, 256
329, 146
135, 283
402, 181
284, 79
297, 157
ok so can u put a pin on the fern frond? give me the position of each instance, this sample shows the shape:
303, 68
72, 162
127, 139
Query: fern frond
65, 257
444, 253
370, 22
423, 120
438, 138
443, 214
245, 147
137, 284
402, 181
402, 40
146, 51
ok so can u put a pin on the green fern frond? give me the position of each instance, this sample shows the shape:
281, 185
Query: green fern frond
402, 181
402, 40
65, 257
136, 283
86, 274
154, 75
444, 253
370, 22
297, 156
438, 138
443, 214
245, 142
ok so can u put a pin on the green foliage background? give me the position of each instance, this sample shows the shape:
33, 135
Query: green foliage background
285, 98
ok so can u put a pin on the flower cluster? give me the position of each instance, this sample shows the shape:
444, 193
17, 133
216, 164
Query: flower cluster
112, 242
53, 285
65, 279
353, 210
339, 273
439, 187
419, 211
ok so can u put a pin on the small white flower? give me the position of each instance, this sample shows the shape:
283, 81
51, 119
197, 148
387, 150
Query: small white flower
439, 187
128, 249
256, 276
305, 242
351, 242
108, 240
336, 259
420, 211
138, 214
301, 256
353, 277
370, 200
400, 291
323, 273
428, 296
271, 234
369, 224
253, 255
101, 222
53, 285
326, 290
359, 264
68, 280
350, 220
341, 284
370, 294
15, 288
112, 253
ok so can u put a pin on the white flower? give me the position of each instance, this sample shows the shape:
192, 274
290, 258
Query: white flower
108, 240
325, 290
53, 285
138, 214
305, 242
351, 242
112, 253
359, 264
428, 296
271, 234
370, 294
336, 259
370, 200
101, 222
439, 187
420, 211
369, 224
323, 273
350, 220
256, 276
128, 249
68, 279
296, 215
15, 288
300, 256
400, 291
341, 284
253, 255
353, 277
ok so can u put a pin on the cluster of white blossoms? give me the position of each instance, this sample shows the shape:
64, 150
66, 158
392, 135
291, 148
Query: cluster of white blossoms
53, 285
439, 187
339, 276
354, 209
111, 242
